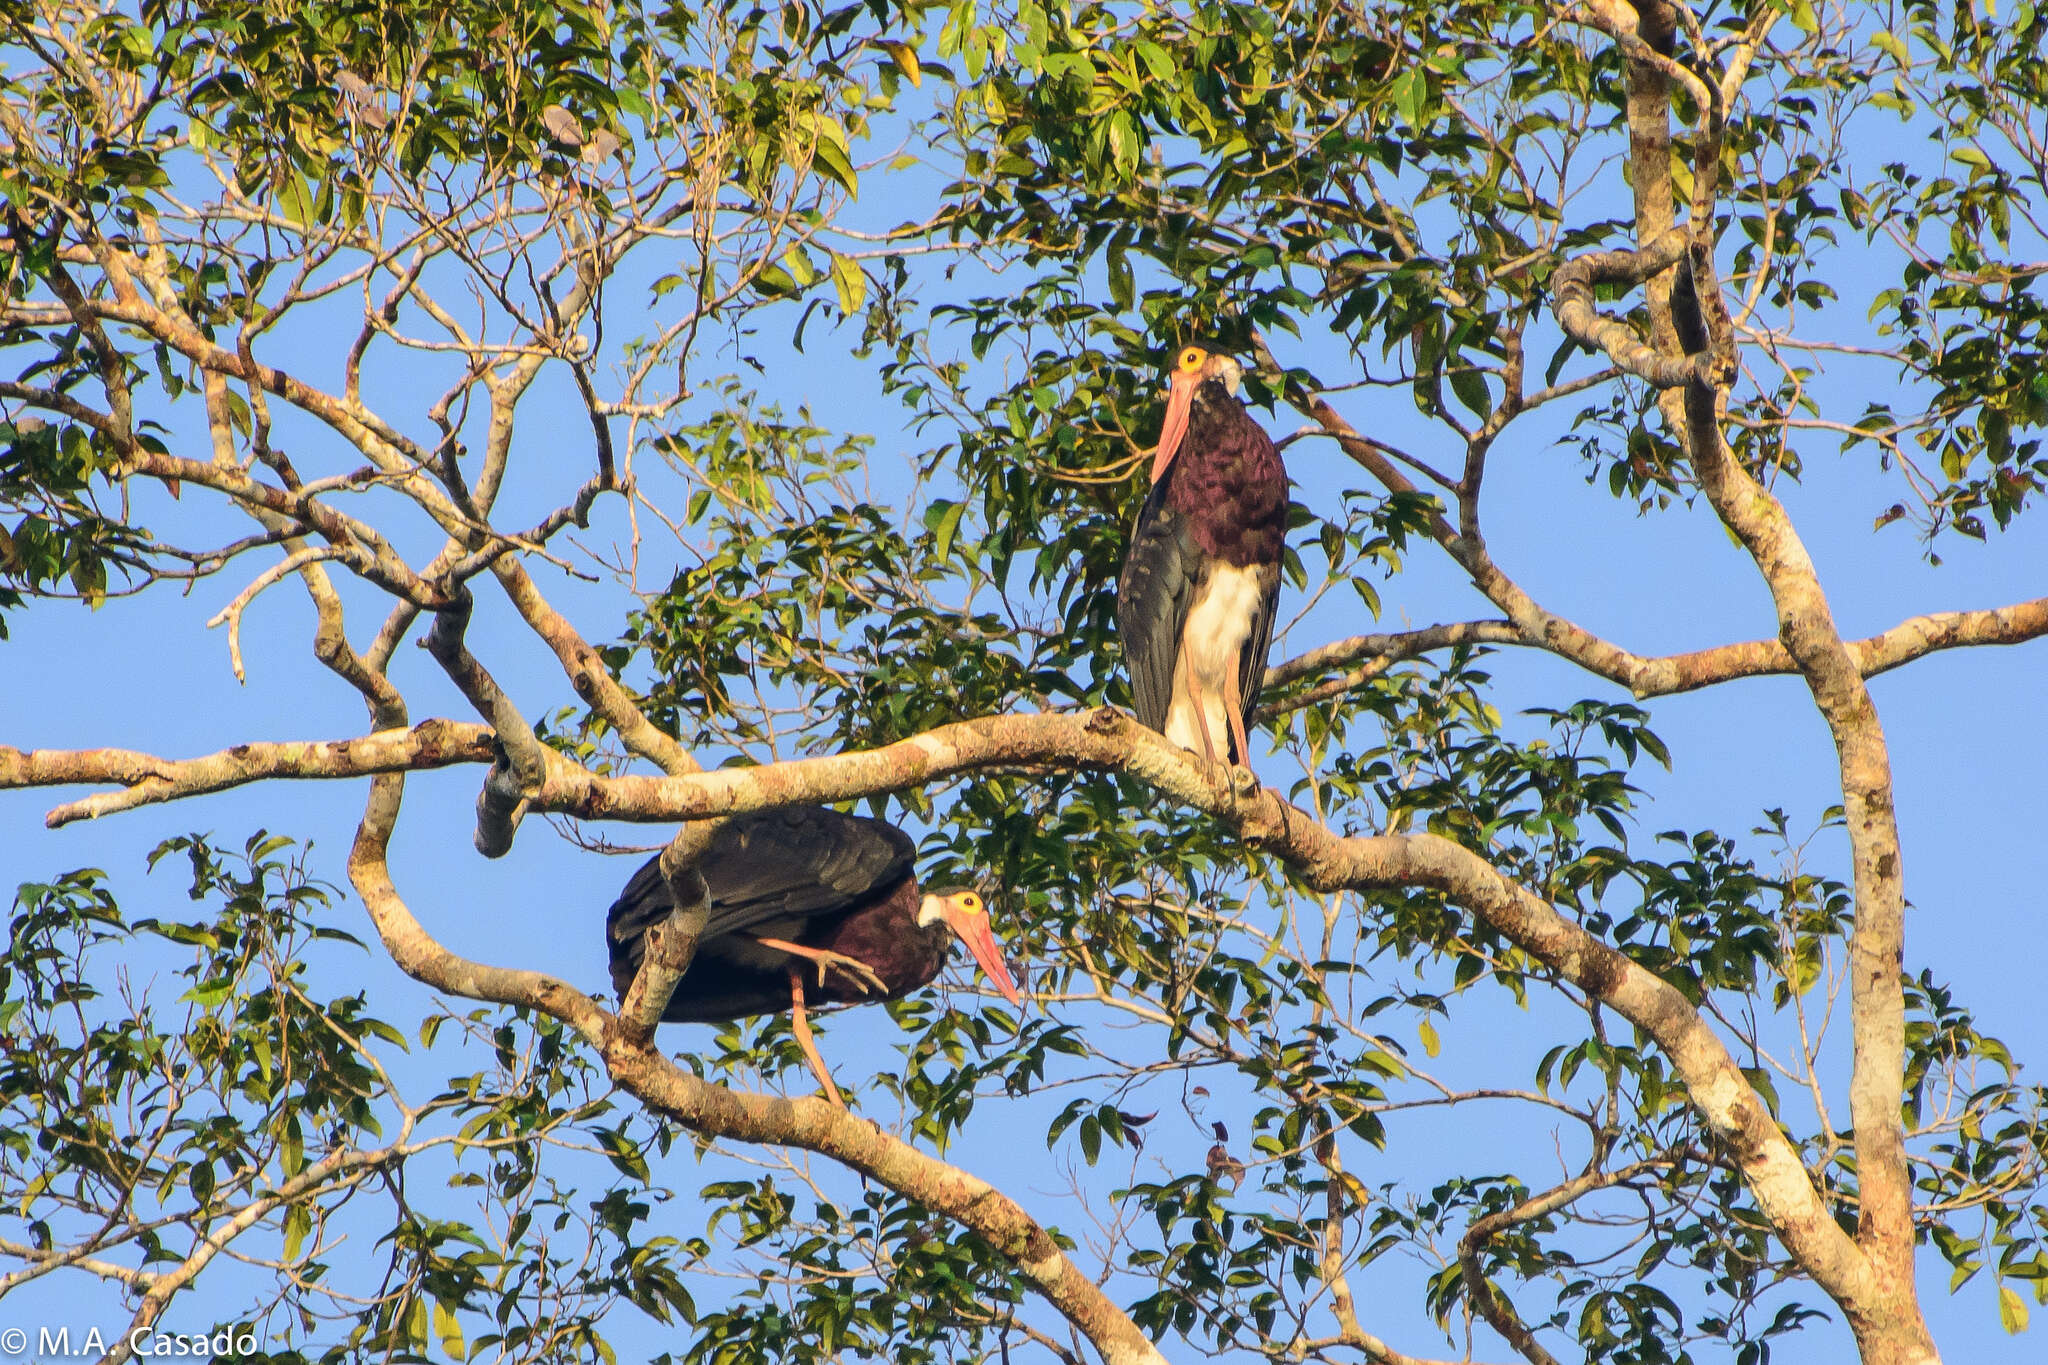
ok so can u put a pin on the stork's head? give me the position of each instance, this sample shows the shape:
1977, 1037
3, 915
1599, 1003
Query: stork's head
1193, 366
964, 913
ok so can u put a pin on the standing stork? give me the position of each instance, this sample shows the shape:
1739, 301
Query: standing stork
1202, 579
798, 891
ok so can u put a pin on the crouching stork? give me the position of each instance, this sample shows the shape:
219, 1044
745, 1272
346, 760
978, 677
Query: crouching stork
796, 893
1202, 578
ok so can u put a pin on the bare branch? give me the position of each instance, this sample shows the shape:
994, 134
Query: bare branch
1572, 302
1663, 675
150, 780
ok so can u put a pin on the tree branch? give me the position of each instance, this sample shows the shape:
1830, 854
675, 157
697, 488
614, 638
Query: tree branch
149, 780
1479, 1291
1663, 675
1885, 1233
1572, 304
1104, 740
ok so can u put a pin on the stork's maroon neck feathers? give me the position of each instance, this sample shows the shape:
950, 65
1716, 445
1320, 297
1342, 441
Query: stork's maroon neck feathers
1226, 478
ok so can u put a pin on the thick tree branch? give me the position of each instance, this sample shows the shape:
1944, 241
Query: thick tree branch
1572, 303
520, 759
1662, 675
671, 946
587, 673
1881, 1302
442, 743
149, 780
1109, 740
1887, 1320
1649, 157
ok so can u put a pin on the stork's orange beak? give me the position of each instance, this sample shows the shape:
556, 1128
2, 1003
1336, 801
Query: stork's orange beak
1180, 397
973, 929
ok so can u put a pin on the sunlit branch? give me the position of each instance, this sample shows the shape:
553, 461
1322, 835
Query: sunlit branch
149, 780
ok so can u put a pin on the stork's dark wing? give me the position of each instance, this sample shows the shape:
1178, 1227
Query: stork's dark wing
1152, 601
800, 862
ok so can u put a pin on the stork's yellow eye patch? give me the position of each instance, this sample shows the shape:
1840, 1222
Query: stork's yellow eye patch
1191, 358
971, 902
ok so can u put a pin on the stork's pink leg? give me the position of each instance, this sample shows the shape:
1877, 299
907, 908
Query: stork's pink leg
801, 1026
1233, 707
1187, 671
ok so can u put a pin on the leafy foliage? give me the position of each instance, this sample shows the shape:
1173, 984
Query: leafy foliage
152, 1122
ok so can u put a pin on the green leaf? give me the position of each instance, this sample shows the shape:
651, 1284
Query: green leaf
2012, 1310
295, 199
946, 526
1122, 289
773, 280
829, 155
1563, 353
448, 1327
797, 262
1471, 391
298, 1223
1408, 90
1123, 143
852, 283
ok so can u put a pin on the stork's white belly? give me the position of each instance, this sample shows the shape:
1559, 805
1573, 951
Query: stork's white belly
1219, 626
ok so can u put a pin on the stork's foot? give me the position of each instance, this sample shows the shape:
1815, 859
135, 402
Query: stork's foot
852, 968
1216, 769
